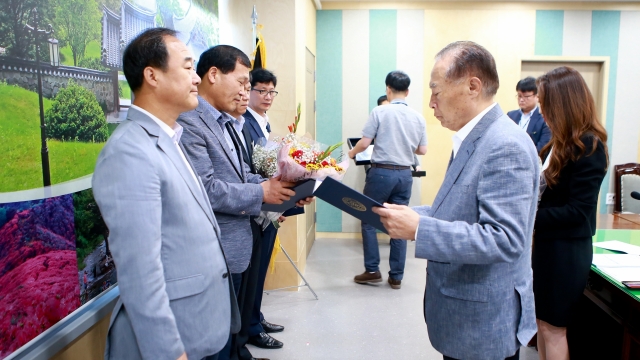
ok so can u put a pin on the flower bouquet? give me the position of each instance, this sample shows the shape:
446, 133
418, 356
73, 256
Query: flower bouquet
295, 158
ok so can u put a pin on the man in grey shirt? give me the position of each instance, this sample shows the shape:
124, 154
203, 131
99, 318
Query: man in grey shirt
400, 133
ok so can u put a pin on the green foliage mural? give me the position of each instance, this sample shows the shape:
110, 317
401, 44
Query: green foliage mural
76, 115
14, 14
20, 165
78, 23
91, 230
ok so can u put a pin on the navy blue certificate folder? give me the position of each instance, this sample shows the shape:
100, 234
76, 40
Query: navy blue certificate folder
303, 189
350, 201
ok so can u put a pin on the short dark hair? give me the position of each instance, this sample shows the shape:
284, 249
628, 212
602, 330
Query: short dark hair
527, 84
263, 76
146, 49
382, 99
471, 59
397, 81
223, 57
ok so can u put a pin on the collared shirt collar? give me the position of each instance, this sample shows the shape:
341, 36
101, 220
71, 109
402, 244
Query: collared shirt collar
220, 117
262, 120
462, 134
174, 133
399, 101
530, 112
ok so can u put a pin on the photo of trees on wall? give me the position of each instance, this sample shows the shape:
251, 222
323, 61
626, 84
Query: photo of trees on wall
62, 94
53, 126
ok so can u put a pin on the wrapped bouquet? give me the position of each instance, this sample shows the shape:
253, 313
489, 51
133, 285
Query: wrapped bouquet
295, 158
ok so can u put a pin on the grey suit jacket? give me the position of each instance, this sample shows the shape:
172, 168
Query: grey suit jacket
477, 237
173, 279
234, 192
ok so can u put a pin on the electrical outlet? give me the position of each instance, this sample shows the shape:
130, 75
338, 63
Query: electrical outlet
610, 198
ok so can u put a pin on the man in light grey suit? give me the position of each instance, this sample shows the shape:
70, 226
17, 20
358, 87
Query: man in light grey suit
175, 294
477, 233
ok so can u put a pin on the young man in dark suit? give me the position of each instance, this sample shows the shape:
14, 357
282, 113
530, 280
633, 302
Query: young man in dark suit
257, 129
528, 116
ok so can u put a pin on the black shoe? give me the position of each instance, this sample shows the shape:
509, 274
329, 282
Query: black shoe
271, 328
265, 341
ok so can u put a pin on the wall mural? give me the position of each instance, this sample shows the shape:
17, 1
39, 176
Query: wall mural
62, 93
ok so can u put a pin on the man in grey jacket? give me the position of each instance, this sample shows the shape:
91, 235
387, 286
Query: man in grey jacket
175, 294
477, 234
216, 149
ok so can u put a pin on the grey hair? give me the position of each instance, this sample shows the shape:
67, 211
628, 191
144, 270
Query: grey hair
471, 59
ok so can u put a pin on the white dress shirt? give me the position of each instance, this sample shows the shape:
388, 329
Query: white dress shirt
238, 124
525, 118
462, 134
262, 121
174, 134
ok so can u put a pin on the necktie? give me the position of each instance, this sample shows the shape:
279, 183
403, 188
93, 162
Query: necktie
450, 160
236, 142
268, 128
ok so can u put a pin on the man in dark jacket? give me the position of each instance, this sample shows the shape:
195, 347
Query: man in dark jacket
528, 116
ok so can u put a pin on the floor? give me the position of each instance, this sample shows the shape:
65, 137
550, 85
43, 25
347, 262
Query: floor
352, 321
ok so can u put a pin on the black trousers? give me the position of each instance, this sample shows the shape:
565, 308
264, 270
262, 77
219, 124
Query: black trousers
247, 296
515, 356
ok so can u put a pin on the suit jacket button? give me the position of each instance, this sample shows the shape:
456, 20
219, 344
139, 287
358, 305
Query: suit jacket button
225, 275
242, 212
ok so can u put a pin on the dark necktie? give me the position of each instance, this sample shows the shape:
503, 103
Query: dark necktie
450, 160
236, 142
268, 128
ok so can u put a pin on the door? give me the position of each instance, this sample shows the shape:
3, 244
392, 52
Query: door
310, 126
591, 71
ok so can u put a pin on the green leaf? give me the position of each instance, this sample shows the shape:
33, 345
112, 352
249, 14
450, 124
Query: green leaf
329, 150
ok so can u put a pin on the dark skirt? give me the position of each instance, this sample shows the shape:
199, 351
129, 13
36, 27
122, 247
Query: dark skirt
560, 271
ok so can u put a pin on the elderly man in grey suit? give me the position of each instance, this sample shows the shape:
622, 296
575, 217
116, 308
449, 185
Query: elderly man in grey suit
175, 294
477, 234
215, 148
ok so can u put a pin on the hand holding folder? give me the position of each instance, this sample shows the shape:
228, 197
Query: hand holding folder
350, 201
400, 221
337, 194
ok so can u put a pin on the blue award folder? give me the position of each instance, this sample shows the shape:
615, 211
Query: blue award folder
303, 189
350, 201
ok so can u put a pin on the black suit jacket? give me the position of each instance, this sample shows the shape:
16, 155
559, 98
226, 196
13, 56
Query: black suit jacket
568, 209
537, 128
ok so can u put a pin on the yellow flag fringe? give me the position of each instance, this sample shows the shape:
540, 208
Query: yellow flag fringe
274, 253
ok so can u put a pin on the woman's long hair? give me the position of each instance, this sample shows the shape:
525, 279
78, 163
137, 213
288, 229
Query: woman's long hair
570, 112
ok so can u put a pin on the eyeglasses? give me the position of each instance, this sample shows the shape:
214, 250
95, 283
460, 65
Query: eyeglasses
271, 93
524, 97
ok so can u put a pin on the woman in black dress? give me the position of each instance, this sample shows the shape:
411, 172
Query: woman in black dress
576, 161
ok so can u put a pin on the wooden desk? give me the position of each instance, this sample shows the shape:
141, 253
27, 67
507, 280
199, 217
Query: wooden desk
634, 218
618, 221
607, 321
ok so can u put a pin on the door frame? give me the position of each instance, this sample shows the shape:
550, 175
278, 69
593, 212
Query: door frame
604, 76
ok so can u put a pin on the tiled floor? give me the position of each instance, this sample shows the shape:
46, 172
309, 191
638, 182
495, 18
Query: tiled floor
352, 321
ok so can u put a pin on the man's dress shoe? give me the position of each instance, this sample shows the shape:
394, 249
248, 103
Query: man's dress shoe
271, 328
265, 341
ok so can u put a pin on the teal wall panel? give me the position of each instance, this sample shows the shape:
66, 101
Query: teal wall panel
329, 99
382, 51
605, 37
549, 27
